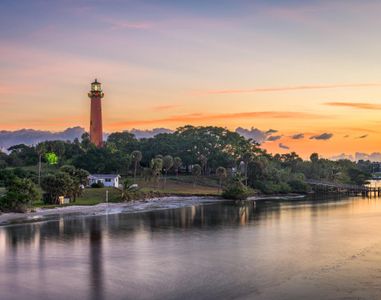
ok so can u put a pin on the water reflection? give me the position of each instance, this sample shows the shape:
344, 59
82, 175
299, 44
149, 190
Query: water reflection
96, 261
227, 250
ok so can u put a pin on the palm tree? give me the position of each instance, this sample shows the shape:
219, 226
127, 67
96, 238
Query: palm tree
204, 163
167, 165
177, 162
40, 151
221, 174
247, 158
196, 172
136, 157
156, 167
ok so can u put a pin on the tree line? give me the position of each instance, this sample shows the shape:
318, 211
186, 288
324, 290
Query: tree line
190, 150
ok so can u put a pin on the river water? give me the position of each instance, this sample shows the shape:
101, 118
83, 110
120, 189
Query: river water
276, 249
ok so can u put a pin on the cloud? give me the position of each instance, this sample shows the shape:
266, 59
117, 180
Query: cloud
346, 136
362, 136
270, 131
254, 133
323, 136
200, 117
292, 88
342, 156
282, 146
116, 24
165, 107
31, 136
274, 138
298, 136
140, 134
375, 156
357, 105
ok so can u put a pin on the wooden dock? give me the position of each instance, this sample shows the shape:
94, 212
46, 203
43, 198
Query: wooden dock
354, 190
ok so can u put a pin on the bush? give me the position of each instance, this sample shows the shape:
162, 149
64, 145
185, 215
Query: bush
21, 193
236, 190
97, 185
269, 187
48, 198
266, 187
298, 186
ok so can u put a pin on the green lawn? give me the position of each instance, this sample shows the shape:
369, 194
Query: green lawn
93, 196
182, 185
90, 196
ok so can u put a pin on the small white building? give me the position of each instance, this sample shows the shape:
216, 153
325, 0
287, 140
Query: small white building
109, 180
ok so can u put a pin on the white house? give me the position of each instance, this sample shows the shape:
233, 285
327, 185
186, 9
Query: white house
109, 180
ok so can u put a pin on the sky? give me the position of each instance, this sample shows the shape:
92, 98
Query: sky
309, 70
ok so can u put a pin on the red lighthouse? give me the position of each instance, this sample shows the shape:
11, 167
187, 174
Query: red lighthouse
96, 133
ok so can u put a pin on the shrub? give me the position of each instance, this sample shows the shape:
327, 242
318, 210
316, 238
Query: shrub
266, 187
97, 185
298, 186
236, 190
21, 192
269, 187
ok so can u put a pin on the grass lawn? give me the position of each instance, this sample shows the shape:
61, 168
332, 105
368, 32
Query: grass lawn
90, 196
181, 185
93, 196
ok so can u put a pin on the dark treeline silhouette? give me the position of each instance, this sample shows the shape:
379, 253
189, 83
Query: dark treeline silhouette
207, 149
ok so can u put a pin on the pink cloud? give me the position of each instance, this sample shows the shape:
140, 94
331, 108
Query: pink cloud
291, 88
205, 118
115, 25
357, 105
165, 107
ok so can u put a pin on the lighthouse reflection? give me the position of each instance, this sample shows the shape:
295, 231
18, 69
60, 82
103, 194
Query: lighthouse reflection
96, 261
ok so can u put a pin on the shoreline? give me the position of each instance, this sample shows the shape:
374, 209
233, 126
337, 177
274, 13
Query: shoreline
133, 206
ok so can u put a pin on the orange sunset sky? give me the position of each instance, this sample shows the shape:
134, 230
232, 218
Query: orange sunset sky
303, 68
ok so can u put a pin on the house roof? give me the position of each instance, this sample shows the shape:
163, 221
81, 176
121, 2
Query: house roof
104, 176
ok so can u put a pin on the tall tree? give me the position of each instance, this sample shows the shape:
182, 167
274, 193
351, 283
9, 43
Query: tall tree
136, 157
40, 148
247, 157
167, 165
196, 172
79, 178
177, 163
156, 167
221, 174
20, 194
57, 185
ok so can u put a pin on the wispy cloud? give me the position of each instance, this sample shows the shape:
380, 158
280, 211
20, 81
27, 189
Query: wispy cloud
115, 25
271, 131
291, 88
358, 105
282, 146
165, 107
274, 138
298, 136
323, 136
199, 117
362, 136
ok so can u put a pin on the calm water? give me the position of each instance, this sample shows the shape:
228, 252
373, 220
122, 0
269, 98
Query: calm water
274, 250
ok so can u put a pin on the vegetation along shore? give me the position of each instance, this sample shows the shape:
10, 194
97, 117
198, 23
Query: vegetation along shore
204, 161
